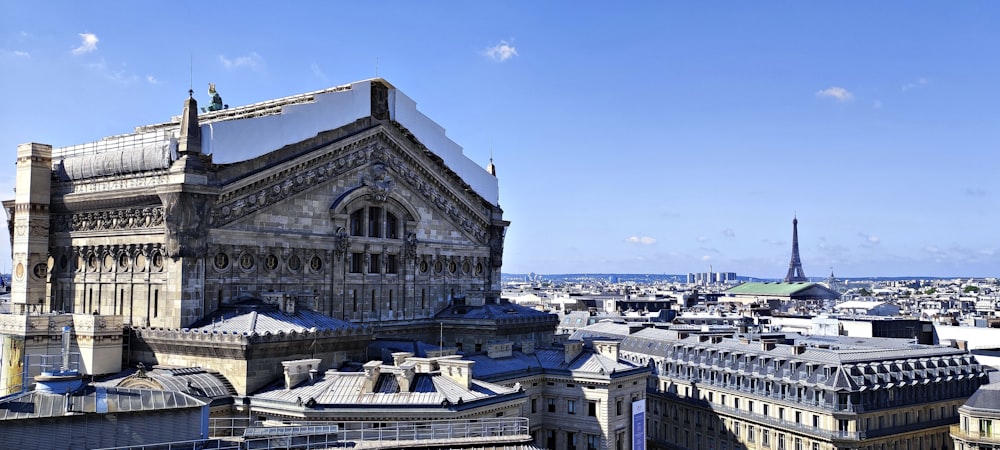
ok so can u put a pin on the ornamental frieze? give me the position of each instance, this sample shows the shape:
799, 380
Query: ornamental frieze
117, 219
142, 180
246, 200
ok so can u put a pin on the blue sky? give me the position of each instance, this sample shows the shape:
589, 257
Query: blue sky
661, 137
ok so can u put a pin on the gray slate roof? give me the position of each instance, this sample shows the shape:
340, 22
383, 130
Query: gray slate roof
254, 316
193, 381
93, 399
587, 363
345, 389
985, 402
501, 313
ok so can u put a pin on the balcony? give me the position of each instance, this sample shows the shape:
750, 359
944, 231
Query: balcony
974, 437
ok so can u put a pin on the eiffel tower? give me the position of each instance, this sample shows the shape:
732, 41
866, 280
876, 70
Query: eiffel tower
795, 273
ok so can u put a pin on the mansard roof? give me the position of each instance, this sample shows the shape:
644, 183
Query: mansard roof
864, 357
348, 390
985, 402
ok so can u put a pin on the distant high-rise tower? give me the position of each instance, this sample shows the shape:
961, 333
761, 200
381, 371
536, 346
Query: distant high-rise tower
795, 273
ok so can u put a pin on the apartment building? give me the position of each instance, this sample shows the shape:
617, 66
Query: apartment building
579, 397
979, 420
792, 392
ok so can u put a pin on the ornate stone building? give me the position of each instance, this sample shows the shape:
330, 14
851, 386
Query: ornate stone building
345, 202
348, 196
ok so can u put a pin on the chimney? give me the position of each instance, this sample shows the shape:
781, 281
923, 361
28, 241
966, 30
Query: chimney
373, 369
458, 370
398, 358
300, 370
500, 350
607, 348
404, 376
573, 349
528, 347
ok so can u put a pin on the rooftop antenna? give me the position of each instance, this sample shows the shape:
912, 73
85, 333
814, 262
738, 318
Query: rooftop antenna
376, 67
191, 74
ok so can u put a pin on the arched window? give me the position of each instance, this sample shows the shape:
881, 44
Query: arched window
376, 222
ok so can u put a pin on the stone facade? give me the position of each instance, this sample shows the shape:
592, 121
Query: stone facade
364, 215
368, 214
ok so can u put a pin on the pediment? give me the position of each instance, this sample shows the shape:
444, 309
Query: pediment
375, 163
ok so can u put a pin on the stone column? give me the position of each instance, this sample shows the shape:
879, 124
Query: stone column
31, 227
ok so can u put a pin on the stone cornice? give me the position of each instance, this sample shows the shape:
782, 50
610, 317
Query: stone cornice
201, 337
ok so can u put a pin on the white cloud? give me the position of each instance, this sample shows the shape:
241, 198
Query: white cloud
22, 54
975, 192
152, 80
501, 52
728, 232
919, 82
318, 72
837, 93
88, 44
253, 60
644, 240
116, 75
877, 104
869, 239
706, 257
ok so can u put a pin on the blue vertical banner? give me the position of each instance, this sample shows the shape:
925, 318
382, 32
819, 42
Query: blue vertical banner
639, 424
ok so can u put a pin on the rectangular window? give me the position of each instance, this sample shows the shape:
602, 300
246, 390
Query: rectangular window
592, 409
357, 223
551, 402
593, 442
374, 263
618, 406
534, 405
390, 264
751, 436
374, 222
357, 262
765, 438
985, 428
391, 226
571, 441
571, 406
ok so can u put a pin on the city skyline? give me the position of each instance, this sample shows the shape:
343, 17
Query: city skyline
658, 139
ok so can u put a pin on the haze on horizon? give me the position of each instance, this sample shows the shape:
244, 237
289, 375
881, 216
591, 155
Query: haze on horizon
658, 138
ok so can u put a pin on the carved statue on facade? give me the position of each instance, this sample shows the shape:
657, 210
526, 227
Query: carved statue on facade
411, 245
216, 100
341, 242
